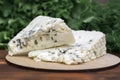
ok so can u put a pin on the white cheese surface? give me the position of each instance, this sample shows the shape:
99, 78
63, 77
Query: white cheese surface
88, 45
41, 33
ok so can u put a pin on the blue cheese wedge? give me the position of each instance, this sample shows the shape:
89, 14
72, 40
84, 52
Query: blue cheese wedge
41, 33
88, 46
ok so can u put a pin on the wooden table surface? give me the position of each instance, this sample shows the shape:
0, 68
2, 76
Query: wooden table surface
13, 72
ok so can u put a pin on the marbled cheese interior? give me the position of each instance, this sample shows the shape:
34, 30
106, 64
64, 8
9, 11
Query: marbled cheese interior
41, 33
88, 45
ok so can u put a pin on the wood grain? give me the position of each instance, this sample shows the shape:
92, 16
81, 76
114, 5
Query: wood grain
12, 72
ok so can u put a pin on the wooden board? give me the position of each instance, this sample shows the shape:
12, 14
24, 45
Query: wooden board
103, 62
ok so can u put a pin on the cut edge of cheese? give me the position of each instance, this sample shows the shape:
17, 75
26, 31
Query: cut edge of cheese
41, 33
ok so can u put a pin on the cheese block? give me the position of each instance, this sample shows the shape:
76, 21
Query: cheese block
41, 33
88, 46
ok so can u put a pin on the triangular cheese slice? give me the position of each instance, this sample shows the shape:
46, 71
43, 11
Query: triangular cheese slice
41, 33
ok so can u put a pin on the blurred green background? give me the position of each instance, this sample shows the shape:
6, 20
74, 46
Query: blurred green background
101, 15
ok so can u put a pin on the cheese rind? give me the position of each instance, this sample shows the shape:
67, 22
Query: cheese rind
88, 46
41, 33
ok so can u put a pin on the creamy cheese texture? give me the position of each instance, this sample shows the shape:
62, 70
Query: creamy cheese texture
88, 46
41, 33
